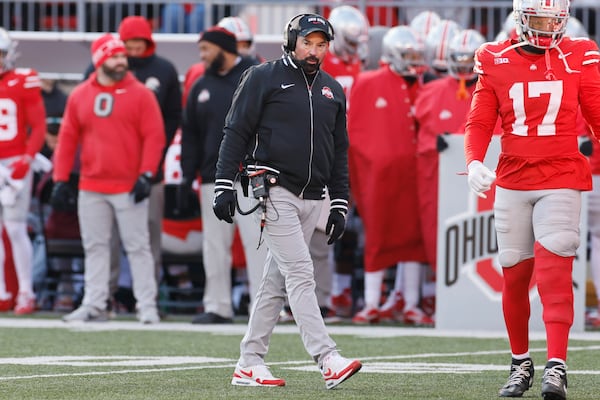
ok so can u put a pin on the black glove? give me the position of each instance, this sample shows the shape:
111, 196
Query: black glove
141, 189
224, 205
441, 143
63, 197
586, 148
336, 223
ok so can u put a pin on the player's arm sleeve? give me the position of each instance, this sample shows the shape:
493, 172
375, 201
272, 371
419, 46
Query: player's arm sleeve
191, 150
68, 140
589, 91
338, 183
481, 120
152, 132
173, 110
35, 116
241, 122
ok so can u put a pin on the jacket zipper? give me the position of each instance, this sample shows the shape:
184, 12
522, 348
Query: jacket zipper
312, 130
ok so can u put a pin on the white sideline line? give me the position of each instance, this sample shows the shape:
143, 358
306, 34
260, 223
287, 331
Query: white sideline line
240, 329
370, 367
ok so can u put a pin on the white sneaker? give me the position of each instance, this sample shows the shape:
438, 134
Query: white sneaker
336, 369
86, 314
148, 315
257, 375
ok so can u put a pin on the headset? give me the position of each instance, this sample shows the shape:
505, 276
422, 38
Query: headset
292, 29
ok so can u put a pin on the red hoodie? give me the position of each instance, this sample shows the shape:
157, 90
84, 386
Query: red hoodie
120, 130
136, 27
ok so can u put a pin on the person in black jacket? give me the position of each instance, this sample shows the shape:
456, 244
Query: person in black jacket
287, 123
202, 130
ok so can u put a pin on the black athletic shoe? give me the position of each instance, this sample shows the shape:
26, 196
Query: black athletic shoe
211, 318
520, 378
554, 382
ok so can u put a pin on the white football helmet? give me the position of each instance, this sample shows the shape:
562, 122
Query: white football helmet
552, 34
436, 44
404, 51
351, 34
424, 22
461, 54
8, 51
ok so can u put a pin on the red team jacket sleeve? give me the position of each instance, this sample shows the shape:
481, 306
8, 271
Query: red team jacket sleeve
590, 87
35, 113
480, 124
64, 155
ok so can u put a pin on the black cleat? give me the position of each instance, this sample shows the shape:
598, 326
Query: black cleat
554, 382
211, 318
520, 378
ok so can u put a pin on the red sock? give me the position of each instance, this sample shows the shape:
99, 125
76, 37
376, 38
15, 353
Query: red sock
555, 285
515, 304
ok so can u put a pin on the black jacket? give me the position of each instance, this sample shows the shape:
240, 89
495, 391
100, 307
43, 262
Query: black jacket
280, 122
203, 118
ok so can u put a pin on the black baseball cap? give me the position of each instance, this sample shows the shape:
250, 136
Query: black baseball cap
314, 23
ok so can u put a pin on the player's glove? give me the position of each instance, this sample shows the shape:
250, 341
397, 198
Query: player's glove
20, 167
143, 186
336, 223
480, 178
63, 197
224, 205
586, 147
441, 143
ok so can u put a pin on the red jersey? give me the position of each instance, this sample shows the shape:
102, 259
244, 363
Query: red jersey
434, 118
120, 130
537, 98
344, 73
382, 161
22, 113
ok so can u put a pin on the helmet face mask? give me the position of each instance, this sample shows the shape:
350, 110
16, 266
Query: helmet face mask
541, 23
351, 34
461, 54
403, 49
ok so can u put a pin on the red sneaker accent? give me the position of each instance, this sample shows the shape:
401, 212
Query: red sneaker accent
342, 304
366, 316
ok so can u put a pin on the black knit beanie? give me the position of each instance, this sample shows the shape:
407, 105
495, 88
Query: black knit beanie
221, 37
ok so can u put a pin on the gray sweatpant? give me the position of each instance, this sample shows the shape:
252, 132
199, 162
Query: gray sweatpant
97, 211
290, 224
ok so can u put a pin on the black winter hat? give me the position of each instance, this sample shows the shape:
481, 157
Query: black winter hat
221, 37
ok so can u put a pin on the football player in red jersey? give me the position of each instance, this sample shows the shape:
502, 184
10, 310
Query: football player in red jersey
434, 118
344, 63
382, 160
536, 84
22, 132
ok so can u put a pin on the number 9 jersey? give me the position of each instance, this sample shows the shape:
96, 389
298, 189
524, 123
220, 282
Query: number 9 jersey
22, 113
538, 98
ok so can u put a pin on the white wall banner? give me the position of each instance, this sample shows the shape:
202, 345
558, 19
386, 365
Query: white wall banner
469, 278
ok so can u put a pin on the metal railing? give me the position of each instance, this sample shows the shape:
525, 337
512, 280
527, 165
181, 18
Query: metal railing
265, 16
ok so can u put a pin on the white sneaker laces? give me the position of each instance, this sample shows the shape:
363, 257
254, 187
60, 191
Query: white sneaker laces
554, 375
520, 374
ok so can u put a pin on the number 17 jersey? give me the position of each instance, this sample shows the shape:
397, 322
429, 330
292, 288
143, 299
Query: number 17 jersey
538, 98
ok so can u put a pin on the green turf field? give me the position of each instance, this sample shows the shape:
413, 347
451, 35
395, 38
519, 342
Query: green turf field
43, 358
